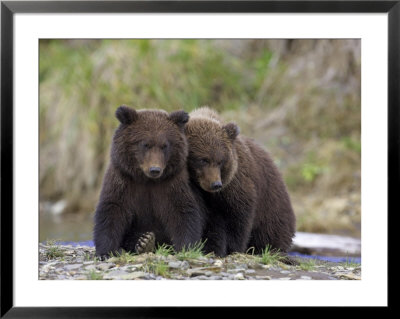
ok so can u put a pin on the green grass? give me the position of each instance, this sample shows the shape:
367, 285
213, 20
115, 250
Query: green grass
93, 275
122, 258
270, 256
349, 263
53, 251
164, 250
307, 265
157, 267
191, 252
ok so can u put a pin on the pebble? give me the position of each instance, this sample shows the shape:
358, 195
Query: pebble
115, 274
73, 266
175, 264
185, 265
90, 267
239, 276
134, 275
306, 277
250, 271
236, 270
105, 266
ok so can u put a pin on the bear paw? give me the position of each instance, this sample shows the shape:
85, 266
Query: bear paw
146, 243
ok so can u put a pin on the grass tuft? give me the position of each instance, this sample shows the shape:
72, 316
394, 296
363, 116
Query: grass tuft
308, 264
164, 250
93, 275
191, 252
53, 251
122, 257
270, 256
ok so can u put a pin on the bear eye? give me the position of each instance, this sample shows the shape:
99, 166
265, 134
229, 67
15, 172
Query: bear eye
204, 161
164, 146
146, 145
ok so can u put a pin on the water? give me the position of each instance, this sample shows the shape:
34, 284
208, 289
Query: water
68, 227
334, 259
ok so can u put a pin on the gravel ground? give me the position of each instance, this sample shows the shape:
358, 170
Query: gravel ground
79, 263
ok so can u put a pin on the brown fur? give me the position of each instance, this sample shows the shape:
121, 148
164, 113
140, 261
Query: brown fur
135, 200
252, 209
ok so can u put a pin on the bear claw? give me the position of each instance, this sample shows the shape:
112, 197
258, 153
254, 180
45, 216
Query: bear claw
146, 243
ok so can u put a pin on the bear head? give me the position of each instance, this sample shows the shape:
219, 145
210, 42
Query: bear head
212, 159
149, 144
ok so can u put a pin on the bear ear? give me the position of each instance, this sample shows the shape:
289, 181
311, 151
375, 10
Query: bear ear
126, 115
232, 130
180, 118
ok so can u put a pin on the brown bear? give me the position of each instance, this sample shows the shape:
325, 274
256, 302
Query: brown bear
146, 187
244, 192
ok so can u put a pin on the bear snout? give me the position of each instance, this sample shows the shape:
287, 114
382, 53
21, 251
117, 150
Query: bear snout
215, 186
155, 171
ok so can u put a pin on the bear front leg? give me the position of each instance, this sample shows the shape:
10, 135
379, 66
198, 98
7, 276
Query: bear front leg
238, 231
185, 229
215, 236
110, 225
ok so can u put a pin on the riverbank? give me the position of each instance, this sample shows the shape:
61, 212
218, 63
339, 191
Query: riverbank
68, 262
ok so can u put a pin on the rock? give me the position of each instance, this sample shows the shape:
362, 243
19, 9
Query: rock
218, 263
175, 264
236, 270
115, 274
105, 266
305, 277
134, 275
90, 267
239, 276
196, 272
72, 266
185, 265
350, 276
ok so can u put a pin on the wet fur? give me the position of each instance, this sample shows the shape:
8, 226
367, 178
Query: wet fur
253, 208
131, 203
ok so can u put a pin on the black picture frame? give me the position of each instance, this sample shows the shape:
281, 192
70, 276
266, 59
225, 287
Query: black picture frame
9, 8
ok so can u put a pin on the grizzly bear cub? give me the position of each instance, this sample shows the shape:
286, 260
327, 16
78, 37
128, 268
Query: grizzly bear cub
146, 187
242, 187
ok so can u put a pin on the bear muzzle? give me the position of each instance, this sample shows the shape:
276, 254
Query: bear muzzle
155, 171
216, 186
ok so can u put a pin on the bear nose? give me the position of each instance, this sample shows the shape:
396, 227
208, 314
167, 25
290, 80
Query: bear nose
154, 171
216, 185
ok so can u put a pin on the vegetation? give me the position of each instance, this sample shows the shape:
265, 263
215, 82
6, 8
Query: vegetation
94, 275
270, 257
307, 264
191, 252
54, 251
300, 99
164, 250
